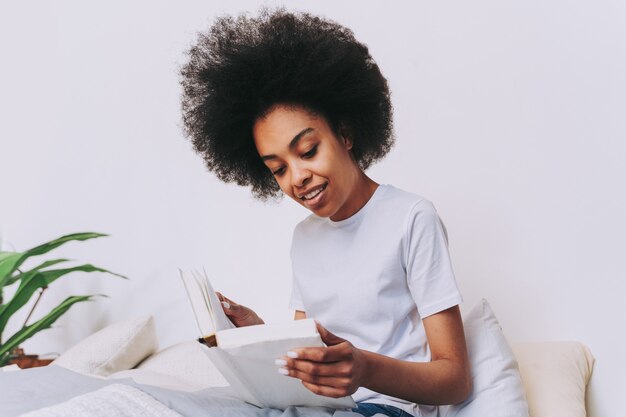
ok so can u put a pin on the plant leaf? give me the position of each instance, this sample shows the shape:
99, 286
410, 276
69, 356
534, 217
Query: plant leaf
41, 324
28, 286
46, 264
49, 263
53, 274
48, 246
4, 254
32, 280
9, 263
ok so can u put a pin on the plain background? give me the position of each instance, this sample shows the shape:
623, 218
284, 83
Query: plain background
509, 116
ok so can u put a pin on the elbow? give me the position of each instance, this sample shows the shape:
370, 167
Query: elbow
454, 389
467, 388
464, 387
458, 386
463, 379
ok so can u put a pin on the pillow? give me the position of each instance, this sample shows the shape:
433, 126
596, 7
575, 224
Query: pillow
497, 388
120, 346
188, 363
555, 375
156, 379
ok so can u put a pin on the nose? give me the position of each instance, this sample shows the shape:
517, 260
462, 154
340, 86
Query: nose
300, 175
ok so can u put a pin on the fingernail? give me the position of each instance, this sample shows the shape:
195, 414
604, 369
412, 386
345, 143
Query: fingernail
292, 354
283, 371
280, 362
225, 304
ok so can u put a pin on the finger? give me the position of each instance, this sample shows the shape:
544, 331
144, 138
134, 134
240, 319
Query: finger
328, 337
327, 391
341, 383
335, 369
230, 307
228, 300
226, 306
237, 311
334, 353
329, 381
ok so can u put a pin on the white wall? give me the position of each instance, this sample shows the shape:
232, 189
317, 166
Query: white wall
509, 117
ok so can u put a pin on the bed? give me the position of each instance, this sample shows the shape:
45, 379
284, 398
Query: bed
119, 371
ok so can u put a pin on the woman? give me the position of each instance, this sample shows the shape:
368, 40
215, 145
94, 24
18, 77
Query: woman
293, 103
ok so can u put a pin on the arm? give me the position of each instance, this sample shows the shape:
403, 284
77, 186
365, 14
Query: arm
340, 368
444, 380
299, 315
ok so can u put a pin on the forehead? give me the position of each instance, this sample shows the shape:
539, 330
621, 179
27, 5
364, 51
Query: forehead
282, 124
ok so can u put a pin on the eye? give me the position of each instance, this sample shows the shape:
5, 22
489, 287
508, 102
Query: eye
279, 171
311, 153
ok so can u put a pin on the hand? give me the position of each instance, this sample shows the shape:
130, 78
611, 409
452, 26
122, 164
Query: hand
334, 371
240, 315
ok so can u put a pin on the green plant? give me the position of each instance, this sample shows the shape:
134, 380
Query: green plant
28, 282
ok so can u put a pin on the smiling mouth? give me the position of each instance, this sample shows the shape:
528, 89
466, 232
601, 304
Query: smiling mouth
314, 193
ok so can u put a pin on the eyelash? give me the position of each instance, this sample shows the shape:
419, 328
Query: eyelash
307, 155
311, 153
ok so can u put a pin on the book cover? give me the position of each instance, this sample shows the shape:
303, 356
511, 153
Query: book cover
245, 355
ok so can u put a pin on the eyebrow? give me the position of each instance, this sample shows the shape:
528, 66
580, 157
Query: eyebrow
292, 144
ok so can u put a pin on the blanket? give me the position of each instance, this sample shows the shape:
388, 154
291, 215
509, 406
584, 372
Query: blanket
56, 391
116, 400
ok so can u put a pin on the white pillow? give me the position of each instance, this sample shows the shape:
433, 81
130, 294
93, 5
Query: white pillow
148, 377
186, 362
555, 375
497, 388
120, 346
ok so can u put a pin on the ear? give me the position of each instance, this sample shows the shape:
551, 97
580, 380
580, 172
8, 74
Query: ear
346, 137
347, 142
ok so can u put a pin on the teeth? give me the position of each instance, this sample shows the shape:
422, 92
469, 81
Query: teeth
313, 194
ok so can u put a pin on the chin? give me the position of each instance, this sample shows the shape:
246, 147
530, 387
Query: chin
323, 212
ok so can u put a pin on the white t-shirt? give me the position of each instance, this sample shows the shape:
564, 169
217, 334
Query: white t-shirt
373, 277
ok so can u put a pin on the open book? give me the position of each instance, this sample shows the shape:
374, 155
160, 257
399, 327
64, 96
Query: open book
245, 355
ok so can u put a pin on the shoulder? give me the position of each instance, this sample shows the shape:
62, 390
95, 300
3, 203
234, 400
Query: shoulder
405, 202
393, 208
418, 213
307, 226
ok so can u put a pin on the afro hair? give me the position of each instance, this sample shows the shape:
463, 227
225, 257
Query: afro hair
242, 67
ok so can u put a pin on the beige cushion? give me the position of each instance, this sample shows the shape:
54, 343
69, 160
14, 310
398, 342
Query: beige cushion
186, 362
555, 376
120, 346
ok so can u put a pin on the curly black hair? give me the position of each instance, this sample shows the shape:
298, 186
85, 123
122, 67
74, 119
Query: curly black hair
242, 67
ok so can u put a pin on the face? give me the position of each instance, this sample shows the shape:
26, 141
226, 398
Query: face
310, 163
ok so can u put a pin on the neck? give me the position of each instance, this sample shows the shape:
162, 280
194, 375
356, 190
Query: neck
361, 194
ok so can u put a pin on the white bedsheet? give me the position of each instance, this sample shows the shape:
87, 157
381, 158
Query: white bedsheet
117, 400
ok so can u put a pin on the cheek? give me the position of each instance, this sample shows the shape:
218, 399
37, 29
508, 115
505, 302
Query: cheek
283, 183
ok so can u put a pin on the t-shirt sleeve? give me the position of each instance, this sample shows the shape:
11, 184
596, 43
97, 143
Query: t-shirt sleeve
295, 302
429, 268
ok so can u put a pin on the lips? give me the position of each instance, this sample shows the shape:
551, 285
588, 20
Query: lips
317, 198
313, 192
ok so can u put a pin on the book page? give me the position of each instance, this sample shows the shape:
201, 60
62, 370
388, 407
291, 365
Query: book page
254, 364
267, 332
206, 307
220, 320
201, 311
235, 378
